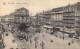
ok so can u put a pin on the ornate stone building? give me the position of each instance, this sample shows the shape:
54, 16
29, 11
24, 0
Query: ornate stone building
21, 15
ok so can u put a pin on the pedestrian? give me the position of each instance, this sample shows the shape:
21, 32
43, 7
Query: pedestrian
3, 30
43, 36
56, 35
72, 42
60, 36
37, 42
69, 43
51, 40
63, 37
30, 41
3, 45
42, 45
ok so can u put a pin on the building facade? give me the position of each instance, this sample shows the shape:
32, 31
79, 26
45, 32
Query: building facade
46, 18
71, 16
7, 19
57, 18
66, 18
21, 15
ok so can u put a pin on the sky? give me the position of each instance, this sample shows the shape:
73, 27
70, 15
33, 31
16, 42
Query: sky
34, 6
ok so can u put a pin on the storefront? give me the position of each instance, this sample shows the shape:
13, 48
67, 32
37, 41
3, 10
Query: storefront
55, 29
70, 32
48, 29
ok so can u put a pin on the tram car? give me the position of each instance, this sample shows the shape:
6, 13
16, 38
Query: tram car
21, 35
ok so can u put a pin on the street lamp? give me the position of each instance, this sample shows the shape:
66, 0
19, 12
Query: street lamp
63, 32
27, 37
35, 42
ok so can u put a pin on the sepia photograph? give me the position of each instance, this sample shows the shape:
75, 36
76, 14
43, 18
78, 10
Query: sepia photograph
39, 24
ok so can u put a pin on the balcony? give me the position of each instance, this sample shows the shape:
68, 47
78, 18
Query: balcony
68, 22
69, 18
78, 21
68, 11
56, 13
77, 25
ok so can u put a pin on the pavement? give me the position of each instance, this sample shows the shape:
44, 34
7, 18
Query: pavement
8, 40
44, 41
59, 34
57, 43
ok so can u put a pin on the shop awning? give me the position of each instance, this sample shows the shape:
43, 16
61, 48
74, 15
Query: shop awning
46, 26
68, 30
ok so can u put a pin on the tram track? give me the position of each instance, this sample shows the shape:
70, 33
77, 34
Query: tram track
21, 42
18, 41
24, 42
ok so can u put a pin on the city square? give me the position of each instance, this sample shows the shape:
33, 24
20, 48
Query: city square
57, 28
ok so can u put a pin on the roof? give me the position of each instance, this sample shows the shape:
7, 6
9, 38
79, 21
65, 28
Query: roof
57, 9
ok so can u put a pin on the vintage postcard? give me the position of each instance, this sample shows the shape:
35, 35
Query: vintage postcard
39, 24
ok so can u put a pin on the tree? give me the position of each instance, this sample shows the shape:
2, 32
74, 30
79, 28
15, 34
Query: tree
23, 27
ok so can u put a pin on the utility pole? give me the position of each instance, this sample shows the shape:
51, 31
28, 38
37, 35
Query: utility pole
35, 42
63, 33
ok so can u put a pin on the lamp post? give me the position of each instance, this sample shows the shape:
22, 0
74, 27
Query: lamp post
63, 32
35, 42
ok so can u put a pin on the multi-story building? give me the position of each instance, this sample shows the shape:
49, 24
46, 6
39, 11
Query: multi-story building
71, 15
46, 17
66, 18
21, 15
2, 19
7, 19
57, 18
46, 22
